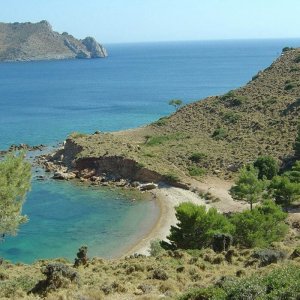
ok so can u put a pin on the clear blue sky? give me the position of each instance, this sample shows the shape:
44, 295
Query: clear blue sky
161, 20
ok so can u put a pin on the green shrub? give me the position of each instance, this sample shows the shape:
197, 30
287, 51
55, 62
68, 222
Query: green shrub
284, 190
196, 171
231, 117
76, 135
161, 139
297, 143
267, 167
197, 157
279, 284
170, 177
161, 122
227, 96
297, 59
285, 49
238, 100
261, 226
196, 226
219, 134
155, 248
209, 293
289, 86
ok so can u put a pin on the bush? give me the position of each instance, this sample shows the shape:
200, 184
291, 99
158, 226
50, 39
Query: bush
227, 96
161, 122
170, 177
197, 157
196, 171
279, 284
267, 167
285, 49
261, 226
155, 248
219, 134
76, 135
289, 86
297, 59
284, 190
204, 294
196, 226
297, 143
231, 117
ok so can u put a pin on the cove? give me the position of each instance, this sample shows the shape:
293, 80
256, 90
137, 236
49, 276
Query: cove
43, 102
64, 216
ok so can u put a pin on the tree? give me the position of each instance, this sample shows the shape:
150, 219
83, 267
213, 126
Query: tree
176, 103
261, 226
197, 226
248, 187
267, 167
15, 177
284, 190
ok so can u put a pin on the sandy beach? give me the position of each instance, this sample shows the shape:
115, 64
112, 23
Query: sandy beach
167, 198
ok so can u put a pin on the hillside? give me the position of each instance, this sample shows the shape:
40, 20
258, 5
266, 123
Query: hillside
214, 136
37, 41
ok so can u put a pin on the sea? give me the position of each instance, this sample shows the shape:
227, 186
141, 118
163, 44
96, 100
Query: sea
43, 102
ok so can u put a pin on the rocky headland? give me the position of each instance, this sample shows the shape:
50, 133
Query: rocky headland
37, 41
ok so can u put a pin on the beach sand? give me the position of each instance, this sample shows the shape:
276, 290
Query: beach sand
167, 198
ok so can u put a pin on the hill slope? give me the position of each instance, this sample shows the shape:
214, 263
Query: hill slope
215, 135
29, 41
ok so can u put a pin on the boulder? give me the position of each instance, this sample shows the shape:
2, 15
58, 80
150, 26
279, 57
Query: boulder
63, 176
148, 186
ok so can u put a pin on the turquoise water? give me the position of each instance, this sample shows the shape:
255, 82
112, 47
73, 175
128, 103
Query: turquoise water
42, 102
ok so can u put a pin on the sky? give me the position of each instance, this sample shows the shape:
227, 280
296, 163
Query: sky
121, 21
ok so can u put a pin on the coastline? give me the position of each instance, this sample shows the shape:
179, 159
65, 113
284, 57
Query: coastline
167, 198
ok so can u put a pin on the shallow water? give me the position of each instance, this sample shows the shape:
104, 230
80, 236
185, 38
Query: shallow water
42, 102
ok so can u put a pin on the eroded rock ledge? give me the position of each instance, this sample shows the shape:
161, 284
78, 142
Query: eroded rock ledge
104, 170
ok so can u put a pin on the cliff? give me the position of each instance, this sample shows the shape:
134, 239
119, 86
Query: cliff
37, 41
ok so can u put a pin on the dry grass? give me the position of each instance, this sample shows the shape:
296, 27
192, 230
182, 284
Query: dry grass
168, 274
258, 119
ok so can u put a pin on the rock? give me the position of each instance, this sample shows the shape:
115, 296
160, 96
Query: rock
234, 167
95, 49
40, 177
148, 186
121, 183
135, 184
63, 176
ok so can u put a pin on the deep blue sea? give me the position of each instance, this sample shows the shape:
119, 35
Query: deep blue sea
43, 102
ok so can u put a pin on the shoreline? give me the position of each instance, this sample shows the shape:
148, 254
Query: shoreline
166, 197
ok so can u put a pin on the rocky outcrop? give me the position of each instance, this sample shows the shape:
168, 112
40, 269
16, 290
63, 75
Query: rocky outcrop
115, 168
37, 41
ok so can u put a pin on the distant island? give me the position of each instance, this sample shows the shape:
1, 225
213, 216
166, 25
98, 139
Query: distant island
37, 41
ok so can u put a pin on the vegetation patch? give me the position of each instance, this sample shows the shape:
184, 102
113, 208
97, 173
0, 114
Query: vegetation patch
197, 157
196, 171
219, 134
161, 139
